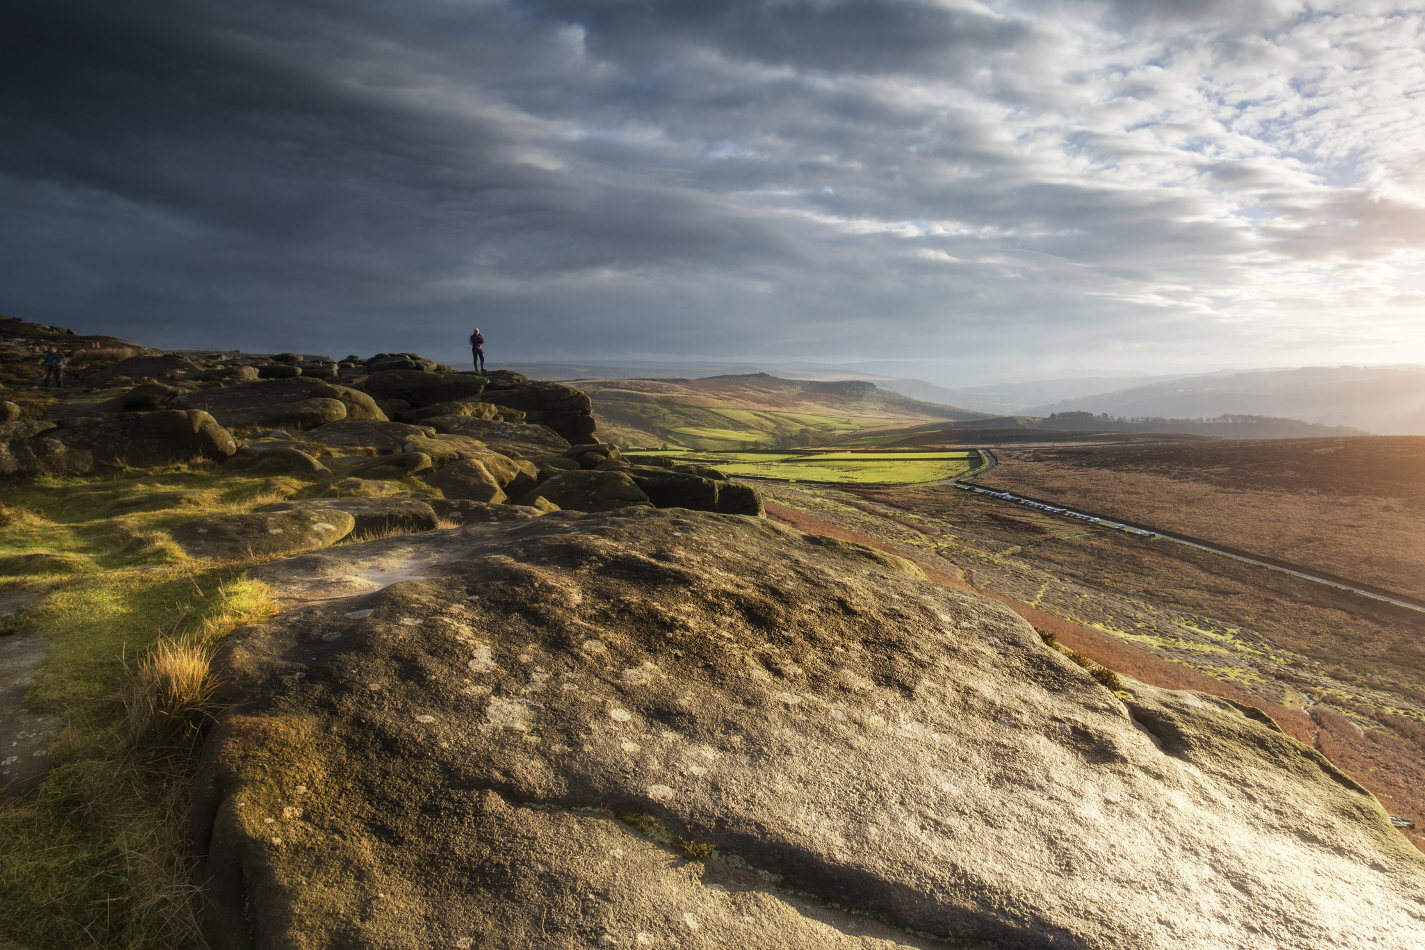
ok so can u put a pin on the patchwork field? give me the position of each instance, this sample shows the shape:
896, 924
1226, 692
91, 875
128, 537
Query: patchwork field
1353, 507
852, 468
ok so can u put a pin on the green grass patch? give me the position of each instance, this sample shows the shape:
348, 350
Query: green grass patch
99, 856
869, 472
854, 468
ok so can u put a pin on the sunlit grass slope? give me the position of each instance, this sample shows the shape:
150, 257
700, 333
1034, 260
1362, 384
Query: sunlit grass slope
728, 413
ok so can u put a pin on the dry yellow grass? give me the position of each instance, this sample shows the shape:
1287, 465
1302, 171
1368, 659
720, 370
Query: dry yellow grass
168, 696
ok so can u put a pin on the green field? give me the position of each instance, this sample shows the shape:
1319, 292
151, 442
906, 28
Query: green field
855, 468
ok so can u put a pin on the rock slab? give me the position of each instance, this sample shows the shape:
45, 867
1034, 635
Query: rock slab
263, 533
372, 515
438, 763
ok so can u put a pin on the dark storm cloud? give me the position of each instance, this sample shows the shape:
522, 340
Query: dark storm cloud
794, 177
865, 36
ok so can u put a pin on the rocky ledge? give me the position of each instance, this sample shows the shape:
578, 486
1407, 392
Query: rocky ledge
669, 728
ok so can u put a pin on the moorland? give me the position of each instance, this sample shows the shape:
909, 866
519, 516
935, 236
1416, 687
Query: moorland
1340, 671
1352, 507
370, 652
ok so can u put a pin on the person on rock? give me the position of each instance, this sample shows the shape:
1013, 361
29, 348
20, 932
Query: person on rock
53, 362
477, 349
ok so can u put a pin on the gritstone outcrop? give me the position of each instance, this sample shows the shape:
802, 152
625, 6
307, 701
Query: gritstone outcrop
878, 760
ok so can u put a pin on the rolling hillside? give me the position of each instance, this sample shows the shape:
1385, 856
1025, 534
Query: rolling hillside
751, 411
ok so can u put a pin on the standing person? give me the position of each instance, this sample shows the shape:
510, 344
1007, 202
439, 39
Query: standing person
53, 363
477, 350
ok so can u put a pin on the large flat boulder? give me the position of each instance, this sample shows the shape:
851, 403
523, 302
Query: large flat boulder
373, 516
368, 434
524, 439
400, 361
588, 491
17, 430
437, 759
421, 388
273, 402
142, 367
278, 459
467, 511
136, 440
262, 533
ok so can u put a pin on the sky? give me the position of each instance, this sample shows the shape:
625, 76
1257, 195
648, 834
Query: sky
1002, 190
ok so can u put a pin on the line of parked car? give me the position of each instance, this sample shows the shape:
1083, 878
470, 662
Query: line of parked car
1050, 509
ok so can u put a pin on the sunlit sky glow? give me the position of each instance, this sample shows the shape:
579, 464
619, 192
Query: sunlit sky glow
1020, 189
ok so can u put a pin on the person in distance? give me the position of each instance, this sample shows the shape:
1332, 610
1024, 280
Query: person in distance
477, 349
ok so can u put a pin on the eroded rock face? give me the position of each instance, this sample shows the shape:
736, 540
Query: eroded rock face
588, 491
566, 410
673, 489
423, 765
138, 439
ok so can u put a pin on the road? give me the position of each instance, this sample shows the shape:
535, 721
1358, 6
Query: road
1390, 597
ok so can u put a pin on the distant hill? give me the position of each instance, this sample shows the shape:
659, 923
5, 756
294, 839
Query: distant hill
1087, 428
1018, 398
752, 410
1387, 400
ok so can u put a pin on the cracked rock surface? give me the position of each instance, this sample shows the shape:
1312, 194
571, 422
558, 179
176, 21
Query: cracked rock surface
429, 745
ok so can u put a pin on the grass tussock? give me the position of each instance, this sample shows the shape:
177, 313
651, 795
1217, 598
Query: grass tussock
151, 547
693, 849
169, 698
33, 403
380, 534
18, 516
